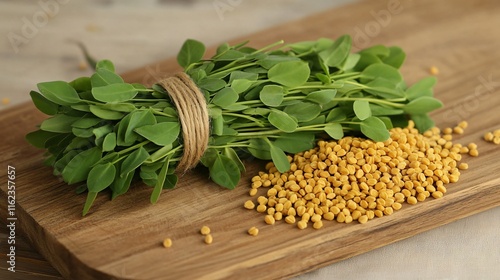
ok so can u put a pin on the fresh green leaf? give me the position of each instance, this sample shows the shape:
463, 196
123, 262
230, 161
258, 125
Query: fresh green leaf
225, 172
114, 92
161, 134
241, 85
101, 176
58, 123
102, 131
105, 64
375, 129
421, 88
362, 109
321, 96
422, 105
105, 114
295, 142
225, 97
155, 195
77, 169
272, 95
59, 92
338, 52
422, 122
211, 84
104, 77
91, 196
81, 84
282, 121
396, 57
133, 160
191, 51
38, 138
303, 111
279, 158
109, 143
231, 153
334, 130
336, 114
43, 104
137, 119
383, 71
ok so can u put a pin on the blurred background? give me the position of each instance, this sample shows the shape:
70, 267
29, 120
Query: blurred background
36, 36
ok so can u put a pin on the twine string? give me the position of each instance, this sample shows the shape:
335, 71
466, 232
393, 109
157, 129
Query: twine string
193, 116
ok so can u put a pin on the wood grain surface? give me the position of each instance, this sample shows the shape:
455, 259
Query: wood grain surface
122, 239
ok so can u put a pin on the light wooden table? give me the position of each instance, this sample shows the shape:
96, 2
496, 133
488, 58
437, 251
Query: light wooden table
36, 48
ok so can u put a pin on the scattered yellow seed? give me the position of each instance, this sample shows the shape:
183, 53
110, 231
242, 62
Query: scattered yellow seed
474, 152
205, 230
493, 137
253, 231
458, 130
447, 130
249, 205
463, 124
437, 194
363, 219
209, 239
290, 219
302, 224
472, 146
252, 192
167, 243
463, 166
5, 101
318, 224
488, 136
261, 208
269, 219
82, 65
412, 200
434, 70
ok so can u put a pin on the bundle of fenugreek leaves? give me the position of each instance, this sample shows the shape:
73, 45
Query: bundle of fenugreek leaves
103, 132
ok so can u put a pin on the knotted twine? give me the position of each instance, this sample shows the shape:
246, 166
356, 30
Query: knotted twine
193, 116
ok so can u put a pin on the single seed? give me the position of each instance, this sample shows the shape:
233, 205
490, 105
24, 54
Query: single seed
474, 152
261, 208
411, 200
363, 219
318, 224
205, 230
290, 219
253, 231
269, 219
434, 70
167, 243
252, 192
249, 205
302, 224
463, 166
209, 239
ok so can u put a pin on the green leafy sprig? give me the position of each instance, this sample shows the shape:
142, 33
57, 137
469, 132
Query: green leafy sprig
104, 133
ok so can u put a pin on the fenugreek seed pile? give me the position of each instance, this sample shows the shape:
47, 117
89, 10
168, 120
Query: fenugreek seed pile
354, 179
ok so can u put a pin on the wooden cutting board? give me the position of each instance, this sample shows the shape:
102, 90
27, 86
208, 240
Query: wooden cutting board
122, 239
